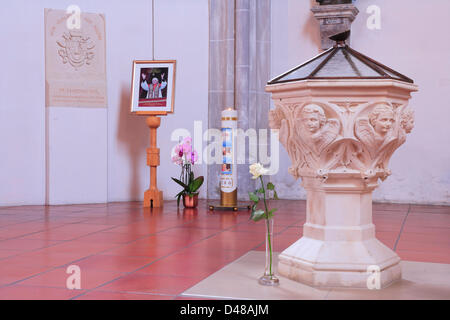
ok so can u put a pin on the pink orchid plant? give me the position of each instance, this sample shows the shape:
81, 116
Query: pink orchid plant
185, 153
185, 156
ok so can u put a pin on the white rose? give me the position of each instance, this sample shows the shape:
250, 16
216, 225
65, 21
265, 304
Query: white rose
257, 170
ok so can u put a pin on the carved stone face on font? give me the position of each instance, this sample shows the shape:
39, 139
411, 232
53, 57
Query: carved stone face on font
382, 119
311, 122
407, 120
313, 118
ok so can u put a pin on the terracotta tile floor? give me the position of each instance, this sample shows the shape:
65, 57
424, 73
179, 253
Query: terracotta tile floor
126, 252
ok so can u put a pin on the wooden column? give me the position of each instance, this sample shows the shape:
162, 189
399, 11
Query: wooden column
153, 197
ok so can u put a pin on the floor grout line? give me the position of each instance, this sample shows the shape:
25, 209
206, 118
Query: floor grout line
401, 228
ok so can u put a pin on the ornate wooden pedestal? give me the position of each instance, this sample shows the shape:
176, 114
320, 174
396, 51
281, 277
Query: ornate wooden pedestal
153, 197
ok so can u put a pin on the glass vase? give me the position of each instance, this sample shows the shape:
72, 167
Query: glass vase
269, 278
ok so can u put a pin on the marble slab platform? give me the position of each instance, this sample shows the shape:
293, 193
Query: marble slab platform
238, 280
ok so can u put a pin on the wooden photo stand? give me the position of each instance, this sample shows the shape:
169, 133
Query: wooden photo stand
153, 197
162, 72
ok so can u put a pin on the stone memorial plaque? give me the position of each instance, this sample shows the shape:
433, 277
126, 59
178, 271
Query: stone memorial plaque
75, 68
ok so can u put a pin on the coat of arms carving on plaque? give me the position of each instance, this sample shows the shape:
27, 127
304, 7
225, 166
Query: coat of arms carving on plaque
76, 49
75, 68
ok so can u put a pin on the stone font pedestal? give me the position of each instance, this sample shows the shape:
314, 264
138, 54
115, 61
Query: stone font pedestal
338, 247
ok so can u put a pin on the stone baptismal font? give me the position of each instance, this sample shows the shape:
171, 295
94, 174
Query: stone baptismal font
341, 116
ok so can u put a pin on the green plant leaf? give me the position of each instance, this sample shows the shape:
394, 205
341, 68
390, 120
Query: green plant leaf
275, 195
270, 215
180, 183
191, 181
270, 186
257, 215
253, 197
196, 184
180, 193
260, 190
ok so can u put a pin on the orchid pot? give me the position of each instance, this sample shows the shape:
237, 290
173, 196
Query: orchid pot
186, 156
190, 201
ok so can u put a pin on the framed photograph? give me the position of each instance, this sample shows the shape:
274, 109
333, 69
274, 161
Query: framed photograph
153, 87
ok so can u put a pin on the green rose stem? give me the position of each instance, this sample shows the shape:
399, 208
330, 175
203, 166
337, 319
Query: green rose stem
268, 225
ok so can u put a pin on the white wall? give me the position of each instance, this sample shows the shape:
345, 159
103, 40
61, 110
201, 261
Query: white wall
412, 40
22, 113
76, 157
181, 33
